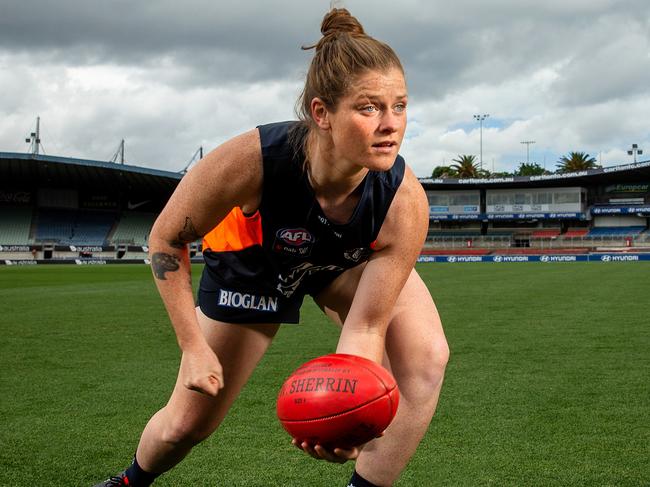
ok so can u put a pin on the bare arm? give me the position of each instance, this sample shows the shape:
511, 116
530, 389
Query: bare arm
229, 176
398, 246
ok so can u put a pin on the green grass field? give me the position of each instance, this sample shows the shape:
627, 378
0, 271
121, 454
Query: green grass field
548, 384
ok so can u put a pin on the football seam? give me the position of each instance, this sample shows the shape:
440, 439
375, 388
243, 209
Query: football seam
334, 415
385, 385
379, 377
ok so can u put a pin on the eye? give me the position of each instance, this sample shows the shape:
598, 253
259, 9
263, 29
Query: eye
369, 108
400, 107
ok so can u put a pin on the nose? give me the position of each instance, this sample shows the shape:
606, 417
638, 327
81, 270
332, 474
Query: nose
389, 122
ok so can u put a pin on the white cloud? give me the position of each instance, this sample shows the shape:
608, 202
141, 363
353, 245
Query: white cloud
85, 112
569, 75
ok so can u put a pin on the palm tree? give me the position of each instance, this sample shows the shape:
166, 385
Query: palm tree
575, 161
466, 166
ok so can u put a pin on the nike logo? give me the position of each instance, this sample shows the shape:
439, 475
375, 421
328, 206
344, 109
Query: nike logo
133, 206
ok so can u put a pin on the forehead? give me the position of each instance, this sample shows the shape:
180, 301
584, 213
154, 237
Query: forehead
378, 83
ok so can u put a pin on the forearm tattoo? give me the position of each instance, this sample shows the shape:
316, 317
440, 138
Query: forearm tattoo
162, 263
187, 235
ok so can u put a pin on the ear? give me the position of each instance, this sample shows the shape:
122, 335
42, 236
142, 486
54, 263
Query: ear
320, 113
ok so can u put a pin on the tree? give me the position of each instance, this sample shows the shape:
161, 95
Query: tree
466, 167
442, 172
575, 161
532, 169
502, 174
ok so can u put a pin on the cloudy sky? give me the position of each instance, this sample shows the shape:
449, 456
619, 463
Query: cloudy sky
170, 76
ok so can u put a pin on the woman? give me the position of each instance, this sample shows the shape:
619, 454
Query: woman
325, 207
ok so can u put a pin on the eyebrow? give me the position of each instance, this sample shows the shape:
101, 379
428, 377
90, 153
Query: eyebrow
370, 96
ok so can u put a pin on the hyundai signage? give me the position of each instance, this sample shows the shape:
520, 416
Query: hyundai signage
546, 258
620, 210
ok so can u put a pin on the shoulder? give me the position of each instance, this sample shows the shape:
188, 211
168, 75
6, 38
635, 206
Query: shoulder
231, 173
280, 139
411, 191
407, 220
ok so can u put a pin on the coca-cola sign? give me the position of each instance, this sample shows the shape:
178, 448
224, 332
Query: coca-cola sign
13, 197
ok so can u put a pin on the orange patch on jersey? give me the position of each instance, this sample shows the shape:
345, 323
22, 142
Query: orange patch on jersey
235, 232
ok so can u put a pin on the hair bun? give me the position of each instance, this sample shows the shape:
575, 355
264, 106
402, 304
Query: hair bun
339, 20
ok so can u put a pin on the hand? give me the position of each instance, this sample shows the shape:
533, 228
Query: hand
337, 455
201, 370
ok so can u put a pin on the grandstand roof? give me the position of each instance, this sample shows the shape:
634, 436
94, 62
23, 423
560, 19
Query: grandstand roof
40, 170
627, 173
31, 170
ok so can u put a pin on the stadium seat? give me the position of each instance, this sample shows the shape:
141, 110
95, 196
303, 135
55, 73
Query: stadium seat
454, 233
615, 231
15, 225
133, 228
74, 227
546, 233
575, 233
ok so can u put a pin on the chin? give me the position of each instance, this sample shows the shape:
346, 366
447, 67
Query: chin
381, 163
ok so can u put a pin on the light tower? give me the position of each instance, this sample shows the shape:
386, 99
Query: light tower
34, 139
527, 142
119, 153
198, 155
634, 151
479, 119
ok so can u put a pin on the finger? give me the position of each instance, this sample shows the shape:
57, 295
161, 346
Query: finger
297, 444
329, 455
212, 387
351, 454
217, 380
206, 386
307, 448
218, 376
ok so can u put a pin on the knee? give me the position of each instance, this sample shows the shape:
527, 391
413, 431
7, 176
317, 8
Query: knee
434, 362
426, 371
184, 432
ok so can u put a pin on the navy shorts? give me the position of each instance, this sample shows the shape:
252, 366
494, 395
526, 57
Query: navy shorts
243, 302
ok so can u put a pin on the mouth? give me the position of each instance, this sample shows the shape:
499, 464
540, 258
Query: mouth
386, 146
387, 143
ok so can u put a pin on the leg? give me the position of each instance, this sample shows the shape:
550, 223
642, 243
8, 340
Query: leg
416, 353
189, 417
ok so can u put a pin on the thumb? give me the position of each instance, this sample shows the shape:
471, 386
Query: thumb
211, 386
217, 381
208, 386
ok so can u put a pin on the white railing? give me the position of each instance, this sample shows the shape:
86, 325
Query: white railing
491, 242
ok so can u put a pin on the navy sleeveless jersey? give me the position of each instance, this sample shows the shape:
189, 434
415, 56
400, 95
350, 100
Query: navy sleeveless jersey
289, 248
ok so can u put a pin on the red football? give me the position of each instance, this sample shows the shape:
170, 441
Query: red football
338, 400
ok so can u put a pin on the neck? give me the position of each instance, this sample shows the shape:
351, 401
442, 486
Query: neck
331, 177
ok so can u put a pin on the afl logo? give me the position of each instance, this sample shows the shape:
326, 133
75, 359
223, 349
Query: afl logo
296, 237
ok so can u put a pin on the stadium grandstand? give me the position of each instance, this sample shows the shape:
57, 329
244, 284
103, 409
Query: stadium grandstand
595, 211
59, 209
